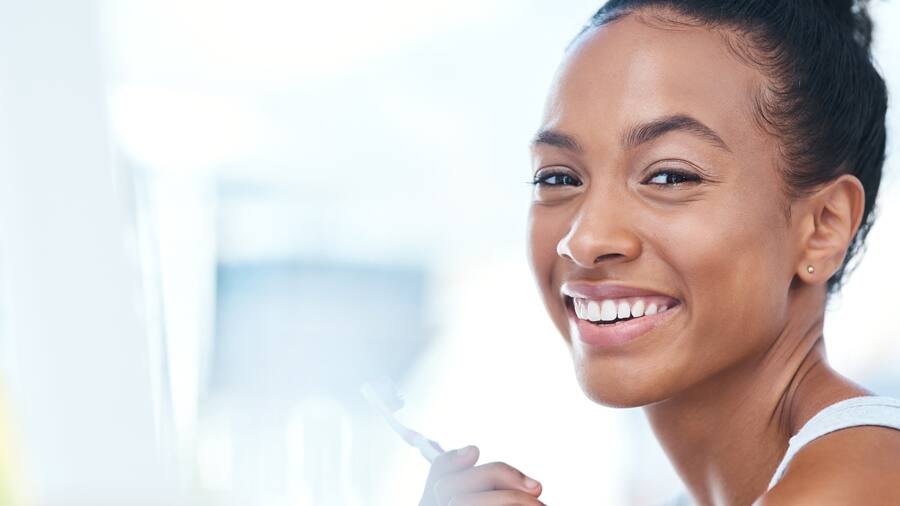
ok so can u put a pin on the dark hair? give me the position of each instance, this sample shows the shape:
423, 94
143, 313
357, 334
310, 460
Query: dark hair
824, 98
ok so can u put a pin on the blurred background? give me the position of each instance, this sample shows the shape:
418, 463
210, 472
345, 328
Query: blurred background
217, 218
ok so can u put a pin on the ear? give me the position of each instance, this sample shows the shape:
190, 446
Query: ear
832, 218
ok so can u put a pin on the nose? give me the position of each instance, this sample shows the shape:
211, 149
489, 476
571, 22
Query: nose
599, 234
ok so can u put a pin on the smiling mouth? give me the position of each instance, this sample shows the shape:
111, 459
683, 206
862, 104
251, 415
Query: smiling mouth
610, 312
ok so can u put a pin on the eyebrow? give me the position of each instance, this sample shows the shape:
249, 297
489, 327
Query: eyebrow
652, 130
556, 139
640, 133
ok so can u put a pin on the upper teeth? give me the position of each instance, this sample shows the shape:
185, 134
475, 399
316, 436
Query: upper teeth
609, 309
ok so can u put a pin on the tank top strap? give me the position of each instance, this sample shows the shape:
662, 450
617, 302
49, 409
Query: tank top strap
855, 412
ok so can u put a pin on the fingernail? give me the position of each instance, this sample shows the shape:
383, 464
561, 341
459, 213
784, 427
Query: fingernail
464, 452
531, 484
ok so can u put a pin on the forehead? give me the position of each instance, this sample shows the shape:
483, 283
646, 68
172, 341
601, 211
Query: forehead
636, 69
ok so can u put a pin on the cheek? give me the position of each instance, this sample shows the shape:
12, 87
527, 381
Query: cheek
735, 266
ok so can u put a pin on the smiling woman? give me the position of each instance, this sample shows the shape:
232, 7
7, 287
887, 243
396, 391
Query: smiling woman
703, 174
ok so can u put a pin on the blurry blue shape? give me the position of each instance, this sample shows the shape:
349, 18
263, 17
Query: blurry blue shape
289, 330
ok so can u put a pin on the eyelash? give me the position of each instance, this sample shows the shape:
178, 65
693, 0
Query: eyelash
686, 177
541, 179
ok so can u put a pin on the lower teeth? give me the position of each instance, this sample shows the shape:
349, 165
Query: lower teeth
613, 321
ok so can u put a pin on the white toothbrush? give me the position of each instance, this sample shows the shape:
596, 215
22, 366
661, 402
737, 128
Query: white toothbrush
385, 398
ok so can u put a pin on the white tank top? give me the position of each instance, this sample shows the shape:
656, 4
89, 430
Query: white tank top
855, 412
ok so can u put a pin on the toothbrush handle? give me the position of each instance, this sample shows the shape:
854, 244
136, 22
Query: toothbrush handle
429, 449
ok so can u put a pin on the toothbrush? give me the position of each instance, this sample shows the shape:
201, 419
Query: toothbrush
384, 398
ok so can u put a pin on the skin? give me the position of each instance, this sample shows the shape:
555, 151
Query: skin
740, 366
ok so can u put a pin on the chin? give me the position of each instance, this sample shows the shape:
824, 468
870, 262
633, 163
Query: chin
608, 386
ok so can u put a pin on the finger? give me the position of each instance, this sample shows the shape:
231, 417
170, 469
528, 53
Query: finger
448, 463
453, 461
493, 476
496, 498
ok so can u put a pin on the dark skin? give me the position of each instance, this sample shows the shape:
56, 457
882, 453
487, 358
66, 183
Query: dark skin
653, 172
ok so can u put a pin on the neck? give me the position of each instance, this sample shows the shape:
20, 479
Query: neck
726, 436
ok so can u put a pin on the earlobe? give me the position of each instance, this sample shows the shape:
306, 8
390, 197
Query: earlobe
836, 213
808, 274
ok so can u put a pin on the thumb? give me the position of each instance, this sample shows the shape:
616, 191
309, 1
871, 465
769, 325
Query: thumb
451, 462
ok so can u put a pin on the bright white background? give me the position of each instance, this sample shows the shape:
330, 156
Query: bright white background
308, 193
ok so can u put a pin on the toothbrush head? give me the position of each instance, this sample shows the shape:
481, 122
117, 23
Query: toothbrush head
383, 395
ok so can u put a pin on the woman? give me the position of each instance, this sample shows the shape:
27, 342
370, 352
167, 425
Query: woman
704, 172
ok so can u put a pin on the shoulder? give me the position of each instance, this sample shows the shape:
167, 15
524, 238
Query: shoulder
842, 468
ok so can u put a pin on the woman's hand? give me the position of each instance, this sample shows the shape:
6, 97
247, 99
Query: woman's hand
454, 480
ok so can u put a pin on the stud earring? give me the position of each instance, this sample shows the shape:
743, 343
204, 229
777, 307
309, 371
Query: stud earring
810, 269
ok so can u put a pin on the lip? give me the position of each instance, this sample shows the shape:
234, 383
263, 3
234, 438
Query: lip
608, 336
600, 291
614, 335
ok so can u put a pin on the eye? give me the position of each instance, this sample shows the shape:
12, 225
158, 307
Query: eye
672, 177
555, 178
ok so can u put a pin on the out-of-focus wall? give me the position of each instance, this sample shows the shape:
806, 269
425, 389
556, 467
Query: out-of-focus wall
76, 382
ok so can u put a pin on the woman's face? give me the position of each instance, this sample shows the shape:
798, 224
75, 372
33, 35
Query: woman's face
658, 190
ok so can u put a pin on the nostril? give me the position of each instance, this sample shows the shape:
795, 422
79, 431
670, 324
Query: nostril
609, 256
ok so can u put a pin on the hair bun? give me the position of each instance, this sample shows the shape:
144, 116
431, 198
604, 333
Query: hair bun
854, 16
